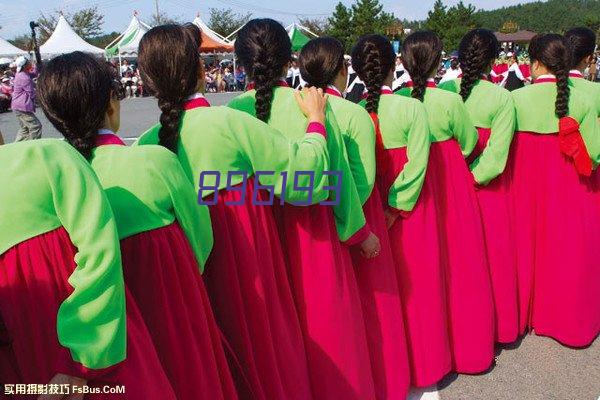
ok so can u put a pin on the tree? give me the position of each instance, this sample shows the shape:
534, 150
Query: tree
460, 20
86, 22
437, 18
592, 22
22, 41
103, 40
452, 23
368, 17
224, 21
318, 26
339, 25
162, 18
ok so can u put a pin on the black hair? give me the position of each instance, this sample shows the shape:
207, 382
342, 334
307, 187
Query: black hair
582, 42
75, 90
321, 60
477, 50
421, 53
169, 62
552, 50
263, 47
373, 58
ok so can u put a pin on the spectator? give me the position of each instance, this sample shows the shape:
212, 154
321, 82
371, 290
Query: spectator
23, 101
240, 78
5, 93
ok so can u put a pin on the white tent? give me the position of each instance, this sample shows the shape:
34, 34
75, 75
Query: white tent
8, 50
209, 32
128, 42
65, 40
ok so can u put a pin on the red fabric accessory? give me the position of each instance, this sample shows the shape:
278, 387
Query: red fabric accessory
250, 85
383, 161
332, 92
575, 74
430, 84
107, 139
545, 80
318, 128
382, 92
195, 103
572, 145
483, 77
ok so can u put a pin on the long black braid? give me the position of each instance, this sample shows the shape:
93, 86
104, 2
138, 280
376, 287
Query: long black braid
477, 50
75, 90
421, 54
263, 47
373, 58
552, 50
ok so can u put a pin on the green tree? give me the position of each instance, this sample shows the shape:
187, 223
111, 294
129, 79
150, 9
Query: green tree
368, 17
103, 40
22, 41
318, 26
162, 18
460, 20
86, 22
437, 18
224, 21
339, 25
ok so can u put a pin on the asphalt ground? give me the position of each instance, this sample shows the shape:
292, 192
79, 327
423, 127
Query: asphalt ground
137, 115
535, 368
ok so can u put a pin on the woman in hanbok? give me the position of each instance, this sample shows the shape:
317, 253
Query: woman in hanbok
316, 239
165, 235
237, 164
492, 111
466, 270
557, 218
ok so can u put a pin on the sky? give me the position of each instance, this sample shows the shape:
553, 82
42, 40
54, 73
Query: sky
16, 14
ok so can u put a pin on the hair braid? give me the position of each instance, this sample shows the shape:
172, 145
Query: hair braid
477, 50
373, 77
265, 78
552, 51
562, 92
421, 53
75, 91
263, 47
170, 119
171, 76
419, 87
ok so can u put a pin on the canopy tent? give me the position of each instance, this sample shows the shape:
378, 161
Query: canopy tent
295, 31
8, 50
127, 43
297, 37
212, 42
65, 40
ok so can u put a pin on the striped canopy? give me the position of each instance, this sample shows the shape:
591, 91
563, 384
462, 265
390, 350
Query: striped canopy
128, 42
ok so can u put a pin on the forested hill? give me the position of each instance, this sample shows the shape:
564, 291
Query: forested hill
544, 16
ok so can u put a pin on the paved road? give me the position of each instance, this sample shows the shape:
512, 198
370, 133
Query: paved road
535, 369
137, 115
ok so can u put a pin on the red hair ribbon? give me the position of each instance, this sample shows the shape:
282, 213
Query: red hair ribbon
572, 145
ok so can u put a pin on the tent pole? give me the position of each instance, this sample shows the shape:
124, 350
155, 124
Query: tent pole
120, 76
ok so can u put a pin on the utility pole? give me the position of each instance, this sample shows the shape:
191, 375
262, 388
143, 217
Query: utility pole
157, 14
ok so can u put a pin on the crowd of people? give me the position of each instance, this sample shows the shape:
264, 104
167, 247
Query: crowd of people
437, 221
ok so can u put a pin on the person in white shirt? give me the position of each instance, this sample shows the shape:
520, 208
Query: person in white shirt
453, 72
